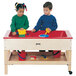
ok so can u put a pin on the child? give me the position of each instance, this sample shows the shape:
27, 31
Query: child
19, 21
47, 20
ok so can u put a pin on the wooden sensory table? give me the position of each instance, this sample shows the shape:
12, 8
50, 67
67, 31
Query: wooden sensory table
57, 40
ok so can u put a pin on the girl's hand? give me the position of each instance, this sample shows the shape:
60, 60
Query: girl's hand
21, 28
13, 33
33, 30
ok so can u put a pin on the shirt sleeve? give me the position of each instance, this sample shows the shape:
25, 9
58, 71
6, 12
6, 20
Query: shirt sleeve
26, 25
13, 27
54, 25
38, 25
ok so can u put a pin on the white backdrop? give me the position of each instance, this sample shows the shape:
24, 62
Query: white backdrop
65, 13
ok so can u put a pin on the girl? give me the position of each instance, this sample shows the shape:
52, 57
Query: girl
19, 21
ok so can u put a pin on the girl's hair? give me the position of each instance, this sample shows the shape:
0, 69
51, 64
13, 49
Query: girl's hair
19, 5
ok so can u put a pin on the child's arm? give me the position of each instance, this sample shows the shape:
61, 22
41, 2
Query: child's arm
26, 23
37, 27
13, 27
54, 25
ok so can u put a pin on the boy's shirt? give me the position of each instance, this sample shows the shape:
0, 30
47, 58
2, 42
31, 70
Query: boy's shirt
46, 21
19, 22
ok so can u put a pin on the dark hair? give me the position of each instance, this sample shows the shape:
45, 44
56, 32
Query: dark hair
19, 5
48, 4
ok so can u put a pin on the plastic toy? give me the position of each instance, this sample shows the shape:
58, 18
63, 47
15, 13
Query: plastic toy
47, 31
56, 53
44, 56
22, 55
45, 35
33, 57
21, 33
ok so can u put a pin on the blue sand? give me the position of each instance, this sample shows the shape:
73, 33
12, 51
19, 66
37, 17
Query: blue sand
43, 35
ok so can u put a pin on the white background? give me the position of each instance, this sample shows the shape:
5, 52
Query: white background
65, 13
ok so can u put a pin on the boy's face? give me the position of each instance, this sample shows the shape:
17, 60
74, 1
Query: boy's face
47, 11
20, 12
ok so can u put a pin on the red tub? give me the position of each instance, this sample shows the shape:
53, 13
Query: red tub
56, 53
22, 56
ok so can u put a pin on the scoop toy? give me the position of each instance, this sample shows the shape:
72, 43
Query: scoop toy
45, 35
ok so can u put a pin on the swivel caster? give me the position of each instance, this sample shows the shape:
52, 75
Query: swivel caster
70, 72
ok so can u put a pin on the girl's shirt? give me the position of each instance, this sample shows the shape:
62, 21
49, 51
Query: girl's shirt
46, 21
19, 22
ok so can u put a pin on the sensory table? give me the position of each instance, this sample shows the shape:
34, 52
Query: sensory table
57, 40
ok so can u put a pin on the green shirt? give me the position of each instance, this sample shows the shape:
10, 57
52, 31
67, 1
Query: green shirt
19, 22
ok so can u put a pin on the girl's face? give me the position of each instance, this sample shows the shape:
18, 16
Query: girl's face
47, 11
20, 12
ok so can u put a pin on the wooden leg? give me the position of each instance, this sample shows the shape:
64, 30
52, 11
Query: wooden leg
69, 67
68, 56
6, 69
6, 56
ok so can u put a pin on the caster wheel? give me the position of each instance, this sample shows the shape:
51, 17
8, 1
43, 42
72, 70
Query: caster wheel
70, 72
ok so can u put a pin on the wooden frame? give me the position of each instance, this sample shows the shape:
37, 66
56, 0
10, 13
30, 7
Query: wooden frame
65, 59
38, 44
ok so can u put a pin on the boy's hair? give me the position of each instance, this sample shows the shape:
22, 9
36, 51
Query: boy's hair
48, 5
19, 5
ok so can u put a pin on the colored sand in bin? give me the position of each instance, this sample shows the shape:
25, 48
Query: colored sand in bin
43, 35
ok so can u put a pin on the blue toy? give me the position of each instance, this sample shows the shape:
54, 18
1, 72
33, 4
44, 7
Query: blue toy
43, 35
43, 56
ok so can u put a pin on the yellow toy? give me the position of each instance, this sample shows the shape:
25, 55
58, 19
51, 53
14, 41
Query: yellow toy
47, 31
21, 33
43, 58
45, 35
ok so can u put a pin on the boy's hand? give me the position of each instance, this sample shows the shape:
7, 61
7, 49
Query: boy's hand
13, 33
33, 30
49, 29
21, 28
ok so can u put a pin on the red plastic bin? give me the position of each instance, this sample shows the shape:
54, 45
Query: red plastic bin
22, 56
56, 53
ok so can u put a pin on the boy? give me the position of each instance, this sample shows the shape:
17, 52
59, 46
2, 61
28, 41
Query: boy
47, 20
